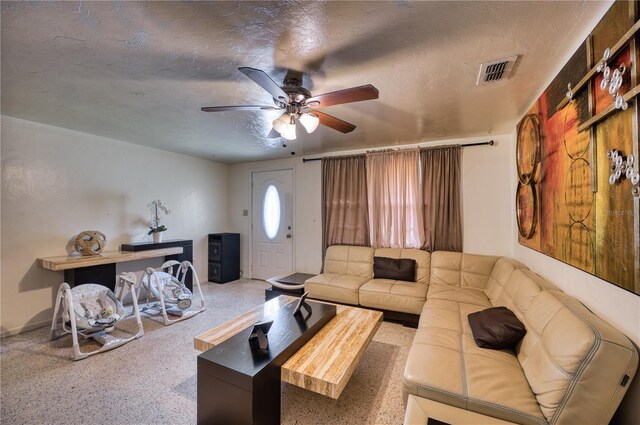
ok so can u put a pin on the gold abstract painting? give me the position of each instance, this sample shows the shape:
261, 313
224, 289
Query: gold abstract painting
566, 206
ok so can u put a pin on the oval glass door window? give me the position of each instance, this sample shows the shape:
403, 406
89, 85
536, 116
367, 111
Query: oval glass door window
271, 212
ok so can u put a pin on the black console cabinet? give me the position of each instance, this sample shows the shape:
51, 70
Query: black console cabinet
224, 257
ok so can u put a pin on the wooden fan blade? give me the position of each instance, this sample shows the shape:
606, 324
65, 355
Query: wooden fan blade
354, 94
238, 108
335, 123
264, 81
273, 134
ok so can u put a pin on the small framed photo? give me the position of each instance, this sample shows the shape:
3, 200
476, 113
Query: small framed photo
302, 303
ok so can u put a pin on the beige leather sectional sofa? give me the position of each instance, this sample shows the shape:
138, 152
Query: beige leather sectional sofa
571, 367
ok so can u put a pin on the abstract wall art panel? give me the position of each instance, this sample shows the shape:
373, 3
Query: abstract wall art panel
570, 204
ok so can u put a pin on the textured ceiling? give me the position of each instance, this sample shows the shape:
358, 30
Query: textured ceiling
140, 71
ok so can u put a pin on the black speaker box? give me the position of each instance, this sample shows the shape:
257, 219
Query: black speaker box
224, 257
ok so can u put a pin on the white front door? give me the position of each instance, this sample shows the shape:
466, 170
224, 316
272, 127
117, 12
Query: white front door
272, 224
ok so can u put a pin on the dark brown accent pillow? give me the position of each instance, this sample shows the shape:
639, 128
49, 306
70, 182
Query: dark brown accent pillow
394, 268
496, 328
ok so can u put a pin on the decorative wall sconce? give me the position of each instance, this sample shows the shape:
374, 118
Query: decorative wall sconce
621, 168
612, 81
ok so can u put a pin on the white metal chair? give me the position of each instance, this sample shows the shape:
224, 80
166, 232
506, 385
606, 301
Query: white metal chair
92, 311
172, 296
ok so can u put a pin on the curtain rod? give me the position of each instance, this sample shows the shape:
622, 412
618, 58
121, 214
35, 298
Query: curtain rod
490, 143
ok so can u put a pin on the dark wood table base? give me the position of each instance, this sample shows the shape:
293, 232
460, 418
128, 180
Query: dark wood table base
240, 384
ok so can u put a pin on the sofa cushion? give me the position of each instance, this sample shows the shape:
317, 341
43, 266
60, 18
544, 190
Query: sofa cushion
496, 328
351, 260
394, 268
501, 272
444, 313
341, 288
422, 258
519, 290
394, 295
559, 344
454, 293
574, 361
461, 270
446, 365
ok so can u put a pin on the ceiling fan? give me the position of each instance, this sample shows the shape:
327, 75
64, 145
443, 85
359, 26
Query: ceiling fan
298, 103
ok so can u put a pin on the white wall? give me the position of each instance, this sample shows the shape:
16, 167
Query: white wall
615, 305
57, 182
307, 228
486, 199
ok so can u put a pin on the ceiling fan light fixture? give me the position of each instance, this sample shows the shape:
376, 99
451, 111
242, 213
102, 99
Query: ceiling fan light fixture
290, 133
309, 121
290, 129
281, 123
285, 124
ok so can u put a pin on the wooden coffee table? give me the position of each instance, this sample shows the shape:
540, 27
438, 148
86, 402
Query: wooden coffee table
325, 363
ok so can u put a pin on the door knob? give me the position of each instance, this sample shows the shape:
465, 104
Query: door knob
288, 235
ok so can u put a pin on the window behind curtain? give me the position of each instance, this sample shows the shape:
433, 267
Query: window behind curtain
400, 199
395, 199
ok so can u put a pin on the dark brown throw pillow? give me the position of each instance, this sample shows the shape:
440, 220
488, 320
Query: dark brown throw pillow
496, 328
394, 268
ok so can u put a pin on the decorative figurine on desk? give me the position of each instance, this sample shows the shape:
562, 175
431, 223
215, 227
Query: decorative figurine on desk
259, 332
156, 228
90, 242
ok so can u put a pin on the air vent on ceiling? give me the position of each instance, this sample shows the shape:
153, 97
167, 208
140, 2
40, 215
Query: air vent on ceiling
495, 70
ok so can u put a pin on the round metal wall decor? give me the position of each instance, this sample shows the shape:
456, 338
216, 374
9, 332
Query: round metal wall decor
527, 209
528, 148
577, 191
581, 247
90, 242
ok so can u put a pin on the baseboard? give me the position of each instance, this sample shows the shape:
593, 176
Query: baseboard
127, 302
25, 328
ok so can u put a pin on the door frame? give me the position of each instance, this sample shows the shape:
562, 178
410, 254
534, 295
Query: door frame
293, 212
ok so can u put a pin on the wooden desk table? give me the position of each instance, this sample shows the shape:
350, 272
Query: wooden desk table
99, 268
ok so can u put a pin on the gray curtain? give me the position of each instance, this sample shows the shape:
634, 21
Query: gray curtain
345, 218
441, 198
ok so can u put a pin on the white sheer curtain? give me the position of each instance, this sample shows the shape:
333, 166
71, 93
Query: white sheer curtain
395, 199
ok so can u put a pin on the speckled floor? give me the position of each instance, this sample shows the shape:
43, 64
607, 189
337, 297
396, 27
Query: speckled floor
152, 380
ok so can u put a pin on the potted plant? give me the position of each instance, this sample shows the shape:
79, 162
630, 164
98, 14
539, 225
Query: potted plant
156, 228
